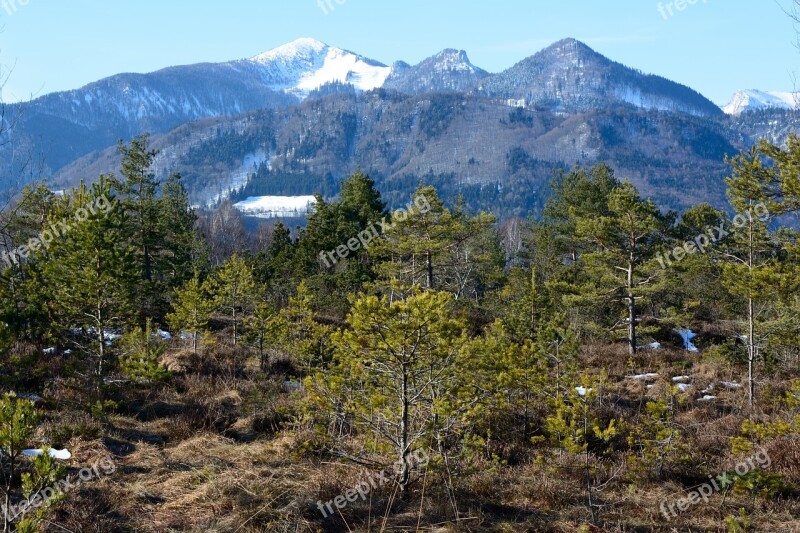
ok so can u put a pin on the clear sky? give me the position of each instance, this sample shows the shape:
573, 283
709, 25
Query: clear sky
714, 46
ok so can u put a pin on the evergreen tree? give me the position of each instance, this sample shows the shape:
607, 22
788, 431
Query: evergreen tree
139, 189
276, 267
574, 425
751, 255
260, 327
622, 244
89, 275
414, 245
141, 354
234, 291
399, 366
183, 251
295, 331
192, 308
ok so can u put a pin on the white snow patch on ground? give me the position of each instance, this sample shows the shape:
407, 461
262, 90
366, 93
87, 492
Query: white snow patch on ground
707, 398
643, 377
582, 391
32, 397
687, 335
683, 387
55, 454
276, 206
680, 379
730, 385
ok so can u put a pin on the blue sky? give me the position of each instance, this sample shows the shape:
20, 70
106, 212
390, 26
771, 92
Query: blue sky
714, 46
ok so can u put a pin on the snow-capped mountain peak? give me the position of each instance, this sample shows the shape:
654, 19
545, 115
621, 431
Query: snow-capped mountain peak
752, 100
305, 47
307, 64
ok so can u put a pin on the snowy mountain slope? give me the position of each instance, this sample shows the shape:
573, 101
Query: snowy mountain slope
74, 123
753, 100
306, 64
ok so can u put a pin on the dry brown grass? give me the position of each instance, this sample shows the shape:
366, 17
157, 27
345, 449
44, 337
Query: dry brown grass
212, 453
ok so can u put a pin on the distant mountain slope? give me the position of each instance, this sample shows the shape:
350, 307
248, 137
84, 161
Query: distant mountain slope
66, 125
571, 76
448, 71
753, 100
297, 119
498, 157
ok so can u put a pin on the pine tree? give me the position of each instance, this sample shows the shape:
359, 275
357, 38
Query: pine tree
138, 190
750, 271
399, 366
90, 277
276, 267
622, 242
183, 251
192, 308
18, 421
234, 291
574, 423
260, 326
296, 331
141, 354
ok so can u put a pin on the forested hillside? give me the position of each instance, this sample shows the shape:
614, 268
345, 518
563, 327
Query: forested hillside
610, 365
497, 156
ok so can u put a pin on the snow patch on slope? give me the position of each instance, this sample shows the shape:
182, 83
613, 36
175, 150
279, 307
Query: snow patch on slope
276, 206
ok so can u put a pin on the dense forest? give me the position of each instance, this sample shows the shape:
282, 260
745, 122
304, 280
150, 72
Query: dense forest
608, 366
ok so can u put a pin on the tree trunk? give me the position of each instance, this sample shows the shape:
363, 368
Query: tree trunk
102, 336
751, 322
234, 325
751, 354
631, 312
404, 444
429, 268
588, 464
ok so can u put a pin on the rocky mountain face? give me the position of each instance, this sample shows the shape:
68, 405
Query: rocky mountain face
448, 71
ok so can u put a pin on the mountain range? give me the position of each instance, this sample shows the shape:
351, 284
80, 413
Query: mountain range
298, 118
